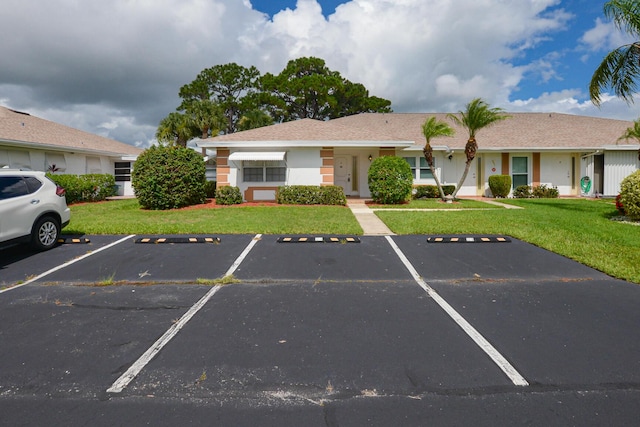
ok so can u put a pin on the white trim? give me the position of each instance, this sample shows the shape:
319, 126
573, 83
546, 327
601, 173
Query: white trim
265, 156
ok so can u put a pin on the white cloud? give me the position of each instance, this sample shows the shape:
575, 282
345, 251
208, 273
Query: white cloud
604, 36
115, 68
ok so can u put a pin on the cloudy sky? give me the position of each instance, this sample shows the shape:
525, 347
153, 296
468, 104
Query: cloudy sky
114, 67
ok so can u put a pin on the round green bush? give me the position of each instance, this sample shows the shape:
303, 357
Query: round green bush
522, 192
500, 185
228, 195
169, 178
390, 180
630, 195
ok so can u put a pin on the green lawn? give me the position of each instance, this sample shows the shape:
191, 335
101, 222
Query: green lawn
577, 228
437, 204
126, 217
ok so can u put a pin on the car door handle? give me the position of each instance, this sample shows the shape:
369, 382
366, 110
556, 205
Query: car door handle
35, 201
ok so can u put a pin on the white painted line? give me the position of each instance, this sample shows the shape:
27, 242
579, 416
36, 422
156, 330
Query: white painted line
243, 255
135, 369
481, 341
68, 263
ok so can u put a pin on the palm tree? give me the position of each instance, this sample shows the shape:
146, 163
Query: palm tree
433, 128
620, 68
477, 116
633, 133
253, 119
176, 128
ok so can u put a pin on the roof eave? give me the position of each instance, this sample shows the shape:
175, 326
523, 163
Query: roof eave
52, 147
303, 144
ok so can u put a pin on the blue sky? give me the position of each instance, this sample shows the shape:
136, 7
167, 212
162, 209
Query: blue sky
115, 68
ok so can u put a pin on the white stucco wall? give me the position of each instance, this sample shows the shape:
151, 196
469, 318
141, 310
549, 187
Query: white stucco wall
617, 166
555, 171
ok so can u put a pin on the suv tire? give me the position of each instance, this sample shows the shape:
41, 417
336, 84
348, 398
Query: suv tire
45, 233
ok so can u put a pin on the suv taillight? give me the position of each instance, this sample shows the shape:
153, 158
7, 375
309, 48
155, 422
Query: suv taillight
60, 192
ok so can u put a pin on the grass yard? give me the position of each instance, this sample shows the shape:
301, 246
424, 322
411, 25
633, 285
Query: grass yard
126, 217
576, 228
437, 204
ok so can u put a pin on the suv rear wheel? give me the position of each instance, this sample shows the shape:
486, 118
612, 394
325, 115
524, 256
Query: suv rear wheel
45, 233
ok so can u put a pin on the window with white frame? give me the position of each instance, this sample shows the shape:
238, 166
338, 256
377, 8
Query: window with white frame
419, 167
264, 171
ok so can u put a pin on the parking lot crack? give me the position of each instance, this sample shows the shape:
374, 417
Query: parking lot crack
128, 308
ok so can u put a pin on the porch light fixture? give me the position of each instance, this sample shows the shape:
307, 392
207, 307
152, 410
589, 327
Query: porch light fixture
370, 157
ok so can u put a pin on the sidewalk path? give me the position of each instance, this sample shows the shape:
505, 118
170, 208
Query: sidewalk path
370, 223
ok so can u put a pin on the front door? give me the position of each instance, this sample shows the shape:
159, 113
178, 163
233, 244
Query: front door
343, 173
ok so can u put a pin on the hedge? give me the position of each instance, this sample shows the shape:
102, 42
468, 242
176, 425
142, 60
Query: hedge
500, 185
85, 188
431, 191
311, 195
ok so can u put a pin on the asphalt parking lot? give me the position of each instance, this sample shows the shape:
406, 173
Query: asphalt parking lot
352, 330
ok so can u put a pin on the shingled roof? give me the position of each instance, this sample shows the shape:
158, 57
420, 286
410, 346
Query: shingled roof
522, 131
22, 129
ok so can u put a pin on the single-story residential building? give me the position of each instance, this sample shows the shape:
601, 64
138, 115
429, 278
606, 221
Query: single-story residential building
29, 142
581, 156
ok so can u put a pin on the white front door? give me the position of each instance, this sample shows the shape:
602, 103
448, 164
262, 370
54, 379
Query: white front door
343, 171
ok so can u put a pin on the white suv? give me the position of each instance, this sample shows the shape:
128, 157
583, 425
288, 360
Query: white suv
32, 209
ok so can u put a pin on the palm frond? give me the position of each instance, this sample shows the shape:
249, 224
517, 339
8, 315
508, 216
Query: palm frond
625, 15
619, 70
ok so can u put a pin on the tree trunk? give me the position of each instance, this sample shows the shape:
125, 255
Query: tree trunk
470, 150
428, 155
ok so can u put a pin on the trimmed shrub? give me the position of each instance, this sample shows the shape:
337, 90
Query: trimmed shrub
390, 180
431, 191
228, 195
522, 192
500, 185
311, 195
544, 192
85, 188
630, 195
210, 189
169, 177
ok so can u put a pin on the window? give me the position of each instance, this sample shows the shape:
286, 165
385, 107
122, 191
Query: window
263, 171
12, 186
122, 171
422, 170
520, 171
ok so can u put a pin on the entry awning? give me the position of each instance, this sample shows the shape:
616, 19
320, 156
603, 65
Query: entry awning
267, 156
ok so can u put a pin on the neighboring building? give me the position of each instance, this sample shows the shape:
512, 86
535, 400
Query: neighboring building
29, 142
534, 148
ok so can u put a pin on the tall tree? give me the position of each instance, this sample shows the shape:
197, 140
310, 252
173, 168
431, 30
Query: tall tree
307, 88
620, 69
632, 133
475, 117
231, 86
176, 129
253, 119
434, 128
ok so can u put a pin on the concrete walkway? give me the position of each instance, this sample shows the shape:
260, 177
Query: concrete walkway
370, 223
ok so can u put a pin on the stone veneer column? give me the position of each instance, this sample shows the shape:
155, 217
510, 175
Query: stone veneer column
223, 167
326, 171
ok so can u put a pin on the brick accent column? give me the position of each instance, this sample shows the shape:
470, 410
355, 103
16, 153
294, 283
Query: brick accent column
505, 163
326, 171
223, 169
536, 169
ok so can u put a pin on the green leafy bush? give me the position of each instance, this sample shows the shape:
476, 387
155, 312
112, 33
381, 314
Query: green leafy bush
169, 177
522, 192
210, 189
500, 185
228, 195
431, 191
630, 195
544, 192
311, 195
85, 188
390, 180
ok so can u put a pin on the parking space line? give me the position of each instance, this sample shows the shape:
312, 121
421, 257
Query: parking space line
68, 263
133, 371
481, 341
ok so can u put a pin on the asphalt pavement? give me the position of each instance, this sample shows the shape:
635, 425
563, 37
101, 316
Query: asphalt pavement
314, 330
